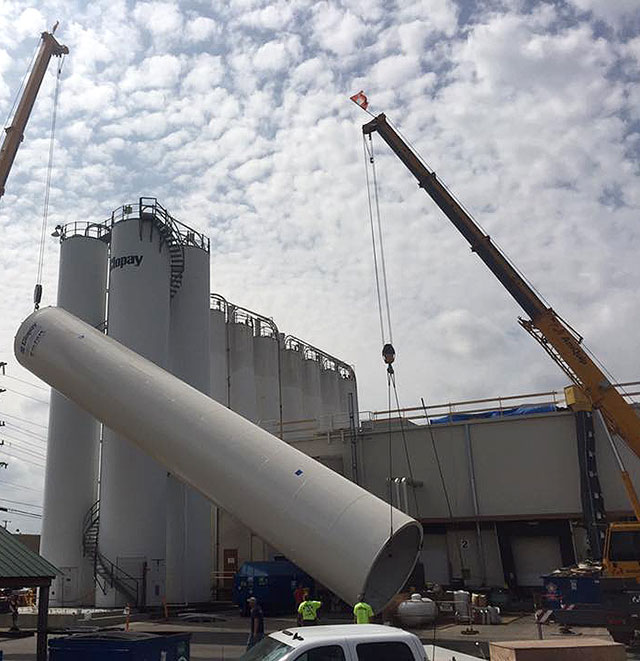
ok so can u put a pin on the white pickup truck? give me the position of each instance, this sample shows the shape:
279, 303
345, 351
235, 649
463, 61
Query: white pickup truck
348, 642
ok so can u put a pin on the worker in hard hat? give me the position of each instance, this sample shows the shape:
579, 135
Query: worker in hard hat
308, 611
362, 612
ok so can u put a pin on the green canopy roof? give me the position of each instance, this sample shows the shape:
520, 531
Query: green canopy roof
19, 562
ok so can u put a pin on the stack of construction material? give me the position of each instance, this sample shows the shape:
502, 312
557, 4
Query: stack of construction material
586, 649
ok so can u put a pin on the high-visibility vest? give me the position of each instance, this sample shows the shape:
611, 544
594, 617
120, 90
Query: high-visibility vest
308, 609
363, 612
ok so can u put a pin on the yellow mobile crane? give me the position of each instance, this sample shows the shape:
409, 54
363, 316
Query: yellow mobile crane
621, 557
15, 132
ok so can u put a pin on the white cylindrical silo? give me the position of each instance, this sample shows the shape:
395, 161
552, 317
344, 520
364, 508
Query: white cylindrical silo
311, 394
345, 537
347, 390
292, 406
219, 353
265, 360
242, 391
189, 512
330, 397
73, 438
133, 486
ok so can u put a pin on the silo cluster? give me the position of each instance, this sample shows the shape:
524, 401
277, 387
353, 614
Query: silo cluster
121, 528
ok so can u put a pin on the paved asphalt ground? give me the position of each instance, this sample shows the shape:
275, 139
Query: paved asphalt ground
226, 637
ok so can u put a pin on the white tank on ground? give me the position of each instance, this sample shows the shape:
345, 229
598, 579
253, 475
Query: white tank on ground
219, 351
292, 405
189, 512
242, 393
133, 485
73, 438
417, 611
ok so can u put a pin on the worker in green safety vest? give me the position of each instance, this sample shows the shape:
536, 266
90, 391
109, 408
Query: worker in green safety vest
308, 611
362, 612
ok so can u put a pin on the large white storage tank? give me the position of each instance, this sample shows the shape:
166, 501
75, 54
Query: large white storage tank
330, 395
133, 486
242, 383
189, 512
292, 406
73, 438
311, 394
219, 350
347, 392
265, 360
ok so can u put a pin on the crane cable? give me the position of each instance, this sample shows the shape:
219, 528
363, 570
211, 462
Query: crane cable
37, 292
384, 314
22, 82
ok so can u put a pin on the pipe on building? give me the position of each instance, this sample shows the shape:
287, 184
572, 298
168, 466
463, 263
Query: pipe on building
332, 528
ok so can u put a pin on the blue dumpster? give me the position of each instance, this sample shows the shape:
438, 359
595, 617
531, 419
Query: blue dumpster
120, 645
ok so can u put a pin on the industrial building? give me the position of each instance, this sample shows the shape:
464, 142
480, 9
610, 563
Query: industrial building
121, 528
501, 487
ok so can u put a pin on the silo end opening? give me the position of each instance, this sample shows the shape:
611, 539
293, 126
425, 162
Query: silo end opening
393, 566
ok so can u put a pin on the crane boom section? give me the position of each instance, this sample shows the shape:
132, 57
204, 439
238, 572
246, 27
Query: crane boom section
15, 133
545, 325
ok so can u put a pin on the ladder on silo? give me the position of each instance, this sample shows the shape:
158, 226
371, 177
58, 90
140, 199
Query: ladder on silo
170, 235
106, 574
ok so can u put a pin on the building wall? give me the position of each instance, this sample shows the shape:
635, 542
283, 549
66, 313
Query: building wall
527, 487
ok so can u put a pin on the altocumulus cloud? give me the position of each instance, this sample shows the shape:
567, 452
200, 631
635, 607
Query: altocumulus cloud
237, 118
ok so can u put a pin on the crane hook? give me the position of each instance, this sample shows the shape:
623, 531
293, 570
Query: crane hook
388, 355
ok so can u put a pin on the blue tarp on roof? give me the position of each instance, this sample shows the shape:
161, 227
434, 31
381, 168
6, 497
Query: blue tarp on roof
500, 413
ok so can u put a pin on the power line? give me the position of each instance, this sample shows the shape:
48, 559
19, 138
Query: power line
20, 430
22, 394
36, 455
15, 485
31, 445
7, 431
15, 511
16, 417
28, 383
19, 502
26, 461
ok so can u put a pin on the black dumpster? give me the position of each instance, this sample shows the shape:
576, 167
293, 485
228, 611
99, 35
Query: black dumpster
121, 645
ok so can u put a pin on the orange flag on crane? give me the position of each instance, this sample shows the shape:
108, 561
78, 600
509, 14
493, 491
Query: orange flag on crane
360, 99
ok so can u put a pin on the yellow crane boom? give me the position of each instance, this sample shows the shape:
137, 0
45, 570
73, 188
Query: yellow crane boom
15, 132
556, 337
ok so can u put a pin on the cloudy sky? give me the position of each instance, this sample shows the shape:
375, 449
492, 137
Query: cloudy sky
236, 116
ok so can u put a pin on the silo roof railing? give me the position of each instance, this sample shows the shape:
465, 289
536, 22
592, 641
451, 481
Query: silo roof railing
83, 228
186, 235
263, 326
327, 361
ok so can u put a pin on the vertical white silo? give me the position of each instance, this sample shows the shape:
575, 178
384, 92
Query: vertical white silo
347, 389
73, 438
292, 406
188, 512
133, 486
330, 396
219, 350
242, 391
265, 359
311, 394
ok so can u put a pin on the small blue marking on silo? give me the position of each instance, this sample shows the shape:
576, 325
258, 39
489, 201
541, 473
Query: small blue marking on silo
299, 472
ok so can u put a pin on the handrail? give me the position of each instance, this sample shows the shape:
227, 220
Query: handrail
83, 228
187, 236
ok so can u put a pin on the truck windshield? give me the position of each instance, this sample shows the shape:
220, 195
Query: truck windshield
268, 649
625, 546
